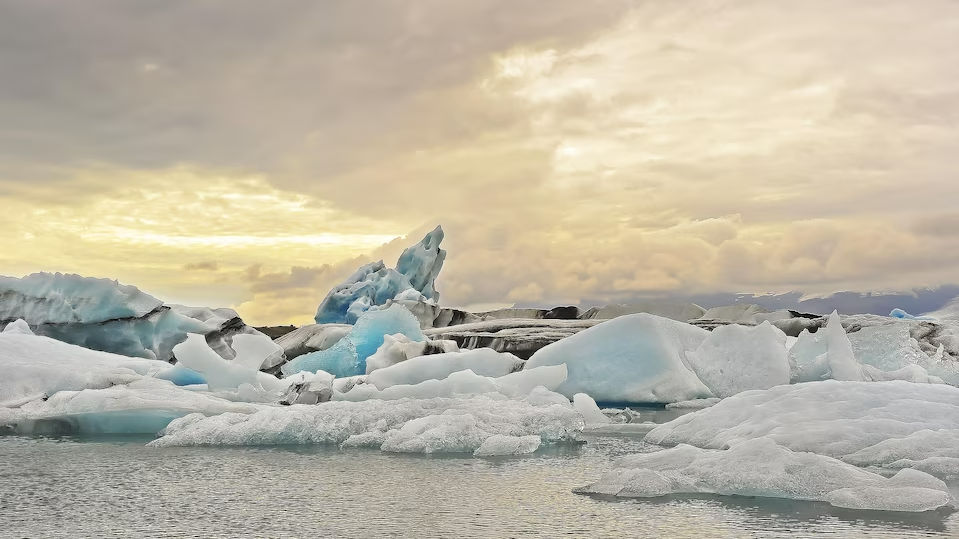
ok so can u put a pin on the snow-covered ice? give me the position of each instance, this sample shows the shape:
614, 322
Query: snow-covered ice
760, 467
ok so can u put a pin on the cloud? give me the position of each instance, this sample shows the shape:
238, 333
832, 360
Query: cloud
207, 265
596, 150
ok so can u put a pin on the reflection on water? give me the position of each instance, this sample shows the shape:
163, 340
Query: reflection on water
116, 487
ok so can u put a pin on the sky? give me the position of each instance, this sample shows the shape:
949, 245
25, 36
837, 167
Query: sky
253, 154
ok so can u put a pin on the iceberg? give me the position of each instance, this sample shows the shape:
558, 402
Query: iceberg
438, 425
373, 285
105, 315
33, 367
832, 418
399, 348
223, 375
592, 415
760, 467
634, 358
143, 406
348, 356
735, 358
482, 361
460, 383
311, 338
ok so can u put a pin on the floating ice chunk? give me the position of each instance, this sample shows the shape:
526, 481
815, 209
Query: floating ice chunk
482, 361
348, 356
522, 383
456, 384
901, 314
591, 413
541, 396
408, 425
807, 357
221, 374
181, 376
760, 467
501, 444
839, 355
143, 406
398, 348
931, 445
737, 358
887, 347
33, 366
633, 358
374, 284
309, 388
696, 404
18, 326
311, 338
830, 418
256, 352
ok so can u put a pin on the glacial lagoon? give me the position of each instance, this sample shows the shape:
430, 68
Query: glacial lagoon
118, 487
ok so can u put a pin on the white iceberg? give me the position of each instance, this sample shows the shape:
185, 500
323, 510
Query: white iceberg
222, 375
34, 367
399, 348
760, 467
735, 358
633, 358
439, 425
482, 361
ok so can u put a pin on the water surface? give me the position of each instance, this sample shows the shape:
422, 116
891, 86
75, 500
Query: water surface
116, 487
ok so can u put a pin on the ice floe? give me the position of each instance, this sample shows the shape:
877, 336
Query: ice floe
760, 467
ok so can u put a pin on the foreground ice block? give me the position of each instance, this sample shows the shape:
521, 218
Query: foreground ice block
35, 367
348, 356
634, 358
374, 284
760, 467
440, 425
737, 358
832, 418
143, 406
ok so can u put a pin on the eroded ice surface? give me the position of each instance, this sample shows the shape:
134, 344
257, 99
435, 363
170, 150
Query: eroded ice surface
760, 467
